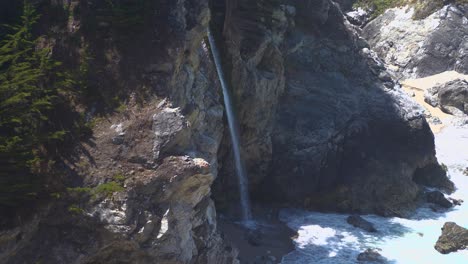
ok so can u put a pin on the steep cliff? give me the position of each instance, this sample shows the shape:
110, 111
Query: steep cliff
138, 190
323, 123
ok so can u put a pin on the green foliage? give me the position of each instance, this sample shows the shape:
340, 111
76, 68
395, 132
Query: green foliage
75, 209
119, 177
30, 91
423, 8
79, 190
108, 189
379, 6
125, 15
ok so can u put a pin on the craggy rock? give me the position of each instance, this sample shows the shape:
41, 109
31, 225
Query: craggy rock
456, 201
158, 158
370, 255
438, 198
163, 216
451, 97
359, 222
434, 176
323, 123
453, 238
419, 48
358, 17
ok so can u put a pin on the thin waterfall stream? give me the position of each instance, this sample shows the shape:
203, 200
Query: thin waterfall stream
233, 131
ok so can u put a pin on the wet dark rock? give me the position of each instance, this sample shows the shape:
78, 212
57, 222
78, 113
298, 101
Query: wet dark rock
438, 198
359, 222
254, 237
453, 238
264, 260
456, 201
435, 176
370, 255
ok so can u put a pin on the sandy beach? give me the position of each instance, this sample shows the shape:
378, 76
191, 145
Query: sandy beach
419, 86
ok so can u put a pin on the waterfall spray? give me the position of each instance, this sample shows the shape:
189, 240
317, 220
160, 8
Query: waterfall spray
240, 170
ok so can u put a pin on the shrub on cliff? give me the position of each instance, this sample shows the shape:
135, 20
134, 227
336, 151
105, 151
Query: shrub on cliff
423, 8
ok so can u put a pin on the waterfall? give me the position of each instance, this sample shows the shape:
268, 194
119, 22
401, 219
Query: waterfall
233, 130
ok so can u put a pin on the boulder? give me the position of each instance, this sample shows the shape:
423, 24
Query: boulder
358, 17
453, 95
438, 198
453, 238
359, 222
370, 255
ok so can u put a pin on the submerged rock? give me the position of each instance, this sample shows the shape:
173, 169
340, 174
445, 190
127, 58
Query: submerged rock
453, 238
370, 255
359, 222
438, 198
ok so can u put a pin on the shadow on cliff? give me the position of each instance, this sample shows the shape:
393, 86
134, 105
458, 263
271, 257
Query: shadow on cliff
341, 134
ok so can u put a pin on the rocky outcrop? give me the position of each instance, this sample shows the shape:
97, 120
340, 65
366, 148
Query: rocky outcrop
453, 238
359, 222
419, 48
438, 198
371, 255
451, 97
323, 125
322, 122
162, 216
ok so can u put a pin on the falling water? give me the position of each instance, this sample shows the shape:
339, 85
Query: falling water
240, 170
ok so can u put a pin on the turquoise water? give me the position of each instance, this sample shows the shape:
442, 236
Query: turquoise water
327, 238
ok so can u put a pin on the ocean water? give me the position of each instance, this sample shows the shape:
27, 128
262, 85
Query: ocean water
327, 238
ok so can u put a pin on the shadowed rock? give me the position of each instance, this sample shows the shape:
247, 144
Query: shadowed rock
359, 222
438, 198
370, 255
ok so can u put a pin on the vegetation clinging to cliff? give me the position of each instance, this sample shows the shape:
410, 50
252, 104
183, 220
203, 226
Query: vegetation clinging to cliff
423, 8
33, 102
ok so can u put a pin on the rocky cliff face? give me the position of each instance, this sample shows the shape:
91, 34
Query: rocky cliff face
341, 134
418, 48
323, 125
148, 169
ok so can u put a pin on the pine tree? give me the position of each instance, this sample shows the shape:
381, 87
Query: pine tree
29, 93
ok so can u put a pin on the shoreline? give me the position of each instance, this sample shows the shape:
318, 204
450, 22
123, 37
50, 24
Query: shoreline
416, 89
268, 242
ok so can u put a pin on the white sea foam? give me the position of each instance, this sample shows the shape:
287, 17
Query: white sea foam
327, 238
